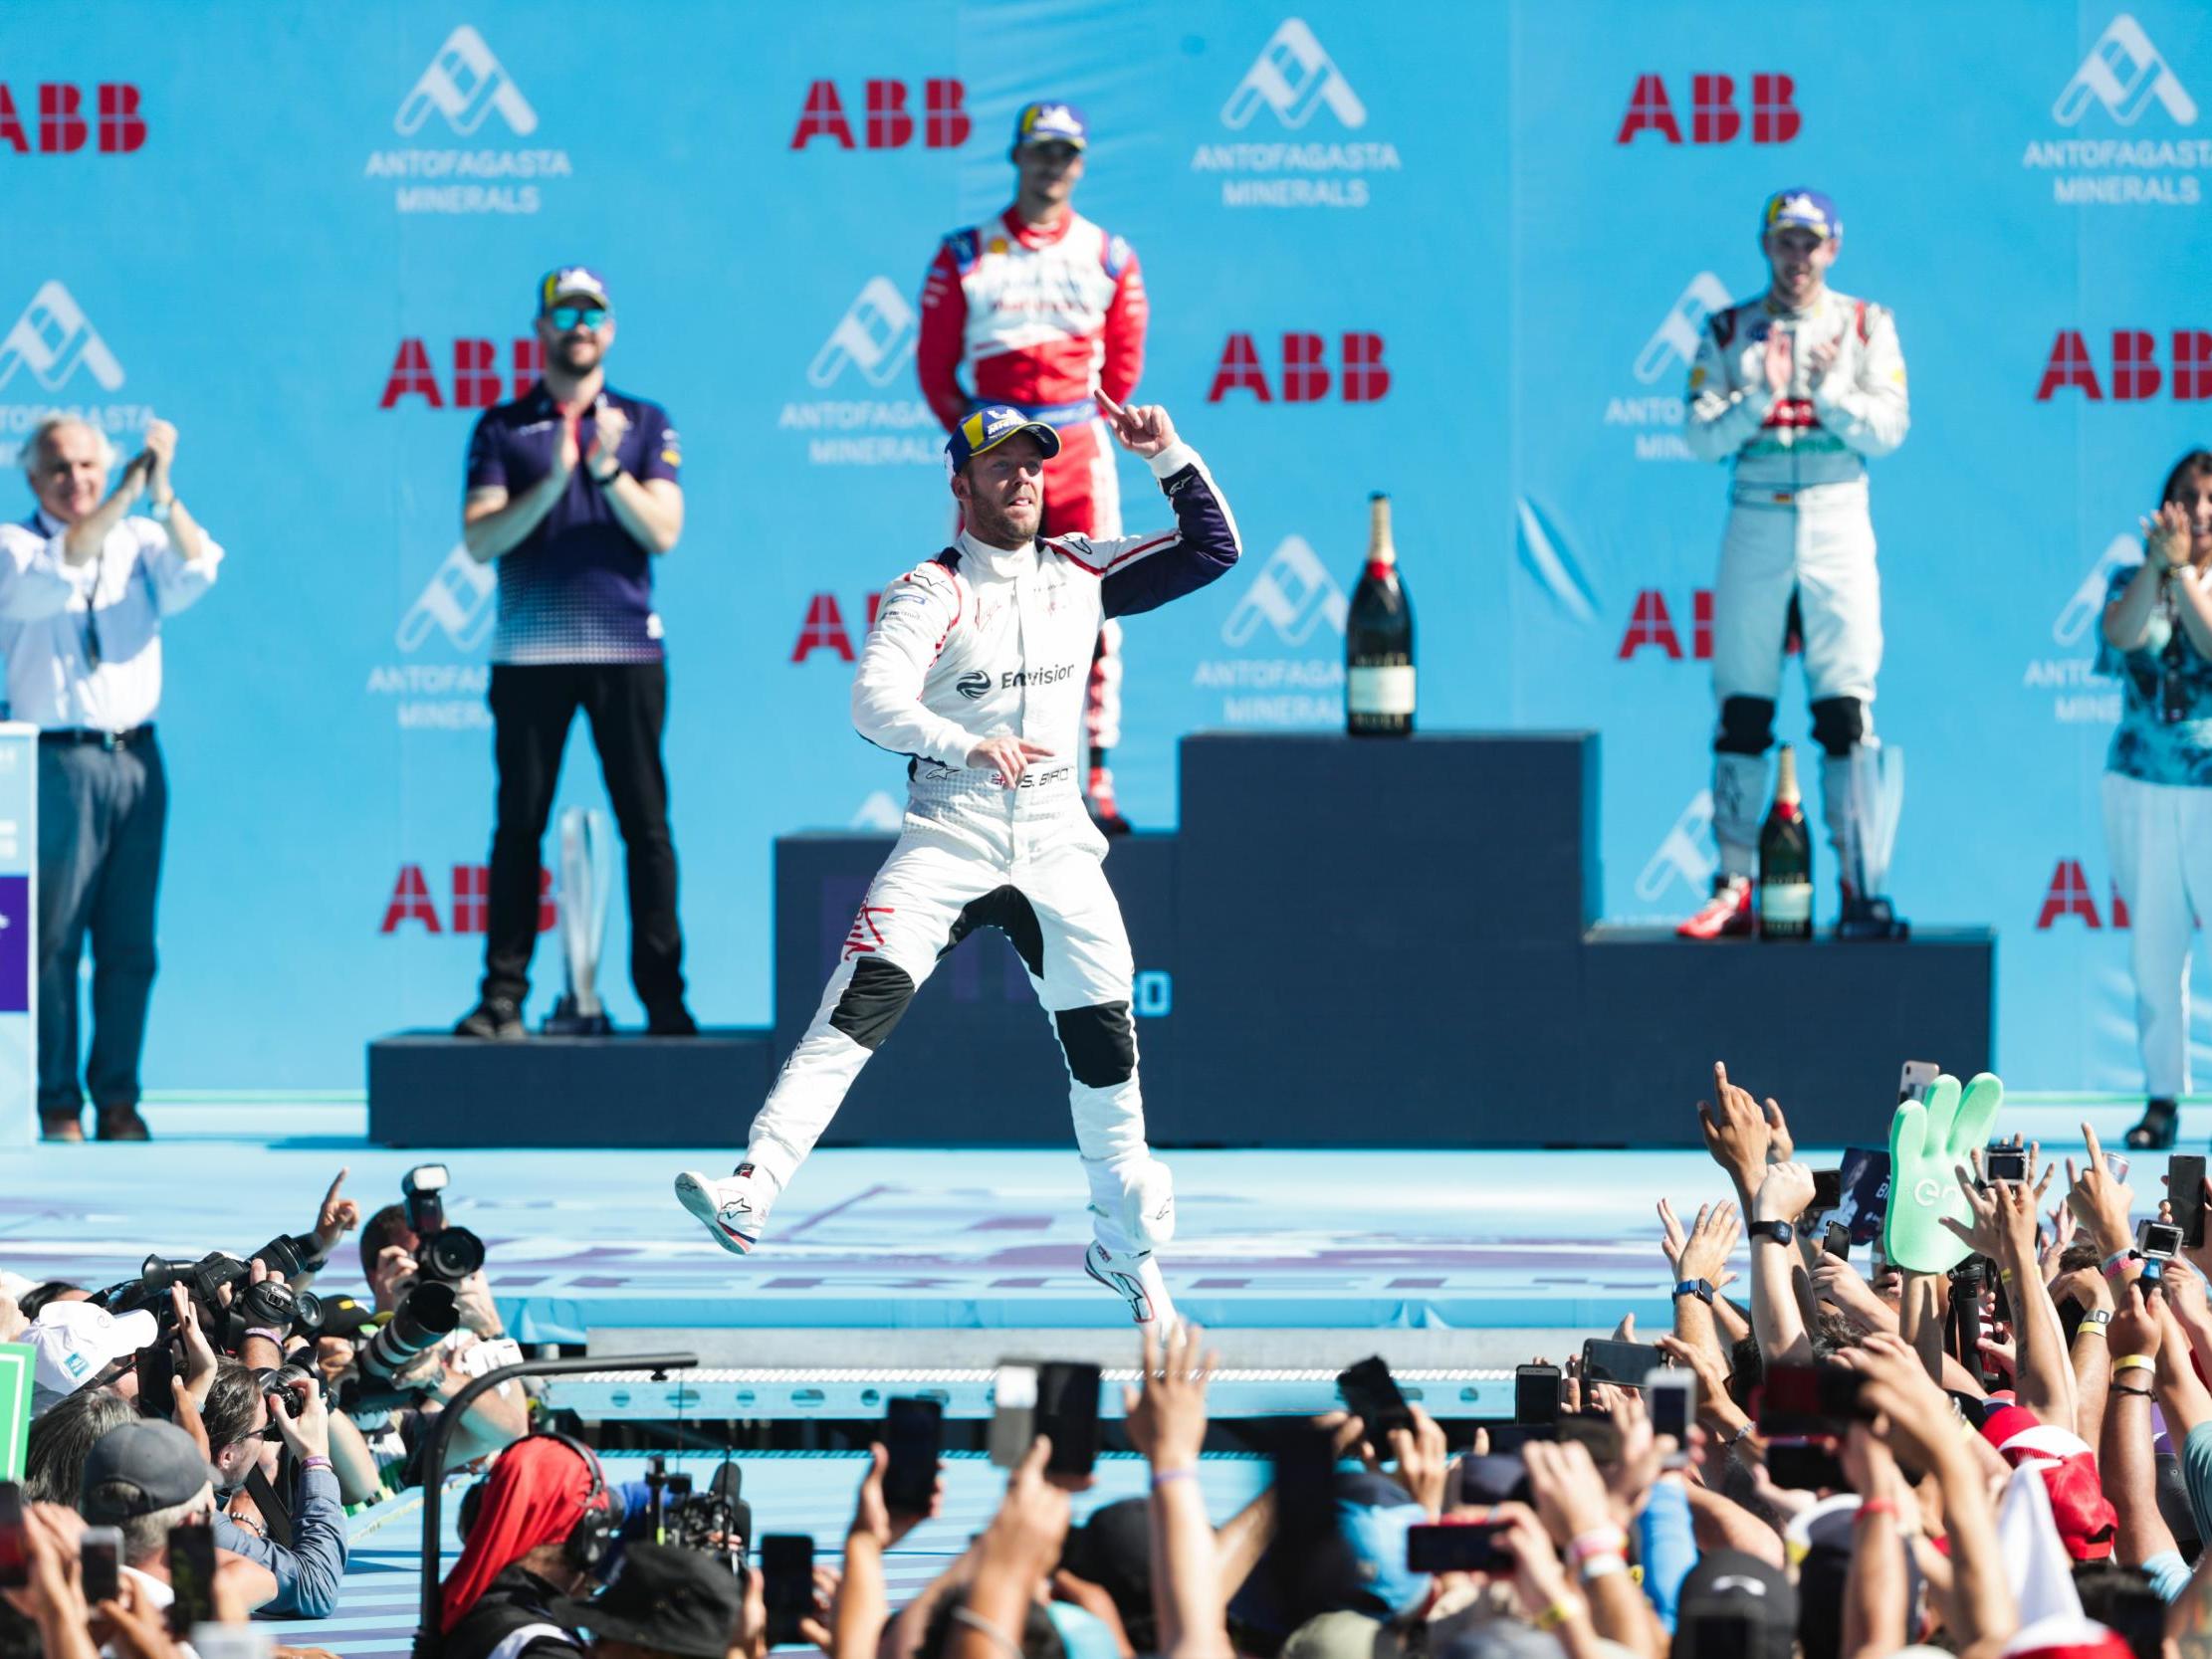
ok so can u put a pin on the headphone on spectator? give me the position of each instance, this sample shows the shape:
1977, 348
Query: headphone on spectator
595, 1531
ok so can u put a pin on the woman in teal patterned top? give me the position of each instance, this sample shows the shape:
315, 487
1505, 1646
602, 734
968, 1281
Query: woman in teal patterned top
2157, 640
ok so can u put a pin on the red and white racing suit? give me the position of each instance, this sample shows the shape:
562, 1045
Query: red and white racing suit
1044, 318
983, 642
1799, 536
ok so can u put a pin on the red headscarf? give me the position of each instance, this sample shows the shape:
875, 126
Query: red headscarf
534, 1496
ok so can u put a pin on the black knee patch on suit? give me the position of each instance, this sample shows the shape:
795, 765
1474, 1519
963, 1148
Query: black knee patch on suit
876, 997
1746, 726
1009, 911
1100, 1044
1838, 725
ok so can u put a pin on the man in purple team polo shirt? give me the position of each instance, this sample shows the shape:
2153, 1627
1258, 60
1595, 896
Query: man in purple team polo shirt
572, 490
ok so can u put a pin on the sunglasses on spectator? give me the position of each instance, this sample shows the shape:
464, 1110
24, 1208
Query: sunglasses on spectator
565, 317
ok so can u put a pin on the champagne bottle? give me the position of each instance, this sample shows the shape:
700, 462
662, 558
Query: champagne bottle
1786, 860
1379, 639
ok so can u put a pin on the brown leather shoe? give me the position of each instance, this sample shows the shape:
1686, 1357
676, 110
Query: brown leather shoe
61, 1128
121, 1123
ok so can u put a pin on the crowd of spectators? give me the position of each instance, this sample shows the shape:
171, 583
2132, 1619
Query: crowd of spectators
2007, 1455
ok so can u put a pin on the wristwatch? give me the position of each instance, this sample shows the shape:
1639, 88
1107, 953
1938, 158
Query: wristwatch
602, 479
1702, 1289
1779, 1232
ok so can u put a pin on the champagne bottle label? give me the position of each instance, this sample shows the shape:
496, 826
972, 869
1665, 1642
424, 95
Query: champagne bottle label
1379, 691
1786, 902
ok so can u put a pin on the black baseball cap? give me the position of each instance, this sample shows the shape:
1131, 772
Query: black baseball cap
671, 1600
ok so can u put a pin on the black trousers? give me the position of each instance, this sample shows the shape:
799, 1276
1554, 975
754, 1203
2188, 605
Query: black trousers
102, 812
531, 711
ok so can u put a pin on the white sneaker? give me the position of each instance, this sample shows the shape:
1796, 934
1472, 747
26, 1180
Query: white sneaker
1136, 1280
733, 1210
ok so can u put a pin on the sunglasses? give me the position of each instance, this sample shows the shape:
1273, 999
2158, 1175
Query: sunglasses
565, 317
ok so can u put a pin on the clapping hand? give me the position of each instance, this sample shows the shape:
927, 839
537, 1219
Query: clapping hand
2168, 534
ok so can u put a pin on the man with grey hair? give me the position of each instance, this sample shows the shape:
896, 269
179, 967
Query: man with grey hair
83, 587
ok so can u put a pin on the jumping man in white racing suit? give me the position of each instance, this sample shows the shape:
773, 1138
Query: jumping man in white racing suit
1797, 388
976, 670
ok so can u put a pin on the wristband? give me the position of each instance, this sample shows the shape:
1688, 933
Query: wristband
1772, 1232
1162, 1477
275, 1336
1603, 1566
999, 1638
2116, 1263
1875, 1506
316, 1460
2133, 1362
158, 511
2004, 1276
602, 479
1552, 1617
2132, 1393
1599, 1540
1702, 1289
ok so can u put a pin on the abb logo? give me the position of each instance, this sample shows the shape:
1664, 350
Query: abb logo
1651, 624
471, 901
1361, 376
824, 628
1714, 117
890, 119
2136, 373
62, 128
475, 379
2069, 895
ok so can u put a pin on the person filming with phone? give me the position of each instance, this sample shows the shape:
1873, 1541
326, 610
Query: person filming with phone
84, 585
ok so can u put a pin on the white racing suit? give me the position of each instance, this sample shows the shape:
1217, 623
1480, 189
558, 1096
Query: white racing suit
978, 643
1799, 540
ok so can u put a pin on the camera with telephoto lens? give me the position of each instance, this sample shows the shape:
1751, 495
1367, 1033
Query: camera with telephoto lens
443, 1254
425, 1314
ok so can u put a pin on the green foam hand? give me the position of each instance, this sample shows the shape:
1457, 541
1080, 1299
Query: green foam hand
1928, 1141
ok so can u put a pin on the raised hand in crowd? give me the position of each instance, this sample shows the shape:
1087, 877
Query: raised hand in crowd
1166, 1420
1738, 1133
1015, 1556
1704, 1251
2100, 1203
337, 1216
863, 1600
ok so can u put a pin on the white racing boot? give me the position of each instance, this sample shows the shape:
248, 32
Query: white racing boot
1136, 1279
733, 1210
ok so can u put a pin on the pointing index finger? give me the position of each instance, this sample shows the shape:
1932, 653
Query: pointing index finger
338, 1181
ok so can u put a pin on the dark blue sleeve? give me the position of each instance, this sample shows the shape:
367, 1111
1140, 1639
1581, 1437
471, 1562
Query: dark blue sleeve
487, 454
1142, 573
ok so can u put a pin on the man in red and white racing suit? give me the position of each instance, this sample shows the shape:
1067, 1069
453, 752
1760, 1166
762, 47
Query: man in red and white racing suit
1044, 311
975, 670
1797, 389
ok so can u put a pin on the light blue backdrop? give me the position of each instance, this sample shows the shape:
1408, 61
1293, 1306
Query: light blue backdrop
280, 197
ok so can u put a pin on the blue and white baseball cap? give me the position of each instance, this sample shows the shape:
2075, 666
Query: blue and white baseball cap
572, 282
1799, 206
1050, 121
987, 428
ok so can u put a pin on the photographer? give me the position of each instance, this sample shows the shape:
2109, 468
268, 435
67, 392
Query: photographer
307, 1553
435, 1335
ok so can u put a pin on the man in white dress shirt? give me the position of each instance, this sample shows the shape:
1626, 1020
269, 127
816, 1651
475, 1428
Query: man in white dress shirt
84, 586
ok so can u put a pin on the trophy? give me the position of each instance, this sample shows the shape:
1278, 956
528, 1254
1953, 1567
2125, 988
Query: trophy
1876, 802
586, 893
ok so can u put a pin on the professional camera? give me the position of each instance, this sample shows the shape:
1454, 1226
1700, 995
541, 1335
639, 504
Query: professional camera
717, 1522
426, 1314
289, 1386
444, 1254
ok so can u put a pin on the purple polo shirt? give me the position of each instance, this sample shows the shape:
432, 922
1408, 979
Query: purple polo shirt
580, 587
